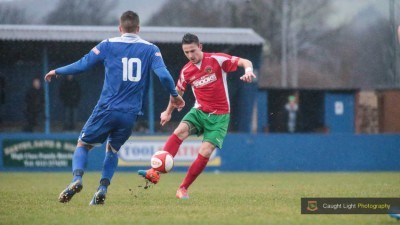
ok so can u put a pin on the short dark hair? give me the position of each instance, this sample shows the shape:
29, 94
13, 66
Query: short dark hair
190, 39
129, 21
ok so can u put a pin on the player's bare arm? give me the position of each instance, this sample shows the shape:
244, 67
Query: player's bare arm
50, 75
177, 102
165, 116
248, 68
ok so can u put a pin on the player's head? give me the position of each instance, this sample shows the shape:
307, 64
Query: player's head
36, 83
192, 48
129, 22
398, 33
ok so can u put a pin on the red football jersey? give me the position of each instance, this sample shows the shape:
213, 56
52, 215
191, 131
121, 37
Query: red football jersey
208, 81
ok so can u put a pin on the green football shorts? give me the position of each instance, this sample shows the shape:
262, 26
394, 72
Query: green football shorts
212, 126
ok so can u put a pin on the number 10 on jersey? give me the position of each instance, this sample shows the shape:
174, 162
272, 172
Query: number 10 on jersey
127, 69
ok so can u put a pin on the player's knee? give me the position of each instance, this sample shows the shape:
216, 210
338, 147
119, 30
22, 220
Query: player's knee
182, 131
87, 146
206, 149
181, 134
111, 149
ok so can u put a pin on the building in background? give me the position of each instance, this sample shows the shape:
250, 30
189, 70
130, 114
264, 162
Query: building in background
30, 50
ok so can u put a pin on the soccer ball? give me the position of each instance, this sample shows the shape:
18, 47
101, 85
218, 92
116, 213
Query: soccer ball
162, 161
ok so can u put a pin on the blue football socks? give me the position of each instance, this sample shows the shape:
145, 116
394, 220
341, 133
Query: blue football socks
109, 167
79, 161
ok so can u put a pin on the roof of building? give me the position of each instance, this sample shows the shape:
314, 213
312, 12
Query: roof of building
239, 36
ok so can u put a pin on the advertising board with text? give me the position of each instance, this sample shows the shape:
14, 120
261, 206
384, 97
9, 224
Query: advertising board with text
138, 151
38, 153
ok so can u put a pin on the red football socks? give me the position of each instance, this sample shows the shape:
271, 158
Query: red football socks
172, 145
195, 170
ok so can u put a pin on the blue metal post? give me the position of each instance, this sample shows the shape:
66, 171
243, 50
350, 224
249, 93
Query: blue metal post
46, 93
151, 105
262, 110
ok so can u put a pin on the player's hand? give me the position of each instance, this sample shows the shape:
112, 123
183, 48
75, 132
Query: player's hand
248, 77
50, 75
165, 117
177, 102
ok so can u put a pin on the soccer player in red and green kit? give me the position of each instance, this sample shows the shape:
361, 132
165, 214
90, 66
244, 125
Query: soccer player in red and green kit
206, 73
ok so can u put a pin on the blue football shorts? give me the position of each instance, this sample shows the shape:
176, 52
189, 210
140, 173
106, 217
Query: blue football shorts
113, 126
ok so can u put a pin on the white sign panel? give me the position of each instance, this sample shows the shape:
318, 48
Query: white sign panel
339, 108
139, 152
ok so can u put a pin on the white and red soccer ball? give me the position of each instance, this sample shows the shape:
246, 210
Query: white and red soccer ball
162, 161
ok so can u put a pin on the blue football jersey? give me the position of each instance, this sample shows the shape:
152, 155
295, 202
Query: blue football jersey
128, 62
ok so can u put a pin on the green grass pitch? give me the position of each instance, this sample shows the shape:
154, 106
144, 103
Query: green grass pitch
223, 198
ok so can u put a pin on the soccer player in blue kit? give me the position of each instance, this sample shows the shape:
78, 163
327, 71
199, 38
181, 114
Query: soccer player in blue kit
128, 61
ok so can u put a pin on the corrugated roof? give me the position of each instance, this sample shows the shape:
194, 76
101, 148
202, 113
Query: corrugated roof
241, 36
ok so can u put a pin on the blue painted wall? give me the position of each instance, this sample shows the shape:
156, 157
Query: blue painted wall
278, 152
316, 152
